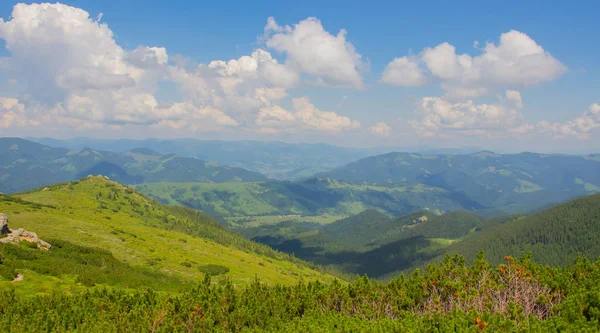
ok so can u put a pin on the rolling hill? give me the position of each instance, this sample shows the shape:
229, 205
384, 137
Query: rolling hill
168, 241
501, 183
26, 165
316, 196
380, 246
371, 242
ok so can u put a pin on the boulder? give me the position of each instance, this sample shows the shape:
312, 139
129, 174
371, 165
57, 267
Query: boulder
4, 224
15, 236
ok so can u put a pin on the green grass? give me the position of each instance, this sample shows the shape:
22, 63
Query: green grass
34, 283
527, 187
101, 213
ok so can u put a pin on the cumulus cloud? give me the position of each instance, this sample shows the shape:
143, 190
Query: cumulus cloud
404, 72
380, 128
330, 59
440, 117
66, 61
515, 97
580, 127
70, 71
10, 111
238, 85
148, 57
517, 60
305, 117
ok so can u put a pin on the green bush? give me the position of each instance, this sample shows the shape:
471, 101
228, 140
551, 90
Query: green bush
213, 270
7, 273
31, 245
518, 296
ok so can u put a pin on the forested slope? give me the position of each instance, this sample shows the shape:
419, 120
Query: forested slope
555, 236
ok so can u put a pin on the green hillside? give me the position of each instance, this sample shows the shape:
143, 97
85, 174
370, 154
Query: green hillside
373, 243
26, 165
311, 197
500, 183
139, 232
380, 246
554, 236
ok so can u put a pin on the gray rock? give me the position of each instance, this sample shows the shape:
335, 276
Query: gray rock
15, 236
4, 224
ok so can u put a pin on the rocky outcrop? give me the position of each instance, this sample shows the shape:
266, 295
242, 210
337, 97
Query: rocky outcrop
15, 236
4, 224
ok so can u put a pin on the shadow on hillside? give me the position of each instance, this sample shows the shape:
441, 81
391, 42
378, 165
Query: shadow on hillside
376, 263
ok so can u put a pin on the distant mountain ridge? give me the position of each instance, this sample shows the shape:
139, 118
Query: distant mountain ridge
511, 182
275, 159
26, 165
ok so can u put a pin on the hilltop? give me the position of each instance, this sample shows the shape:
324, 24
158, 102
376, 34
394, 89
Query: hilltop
175, 241
28, 165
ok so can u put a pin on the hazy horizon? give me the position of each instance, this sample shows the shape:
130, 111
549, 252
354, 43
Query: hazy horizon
390, 148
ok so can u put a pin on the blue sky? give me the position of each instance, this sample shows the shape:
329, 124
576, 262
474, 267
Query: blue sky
330, 97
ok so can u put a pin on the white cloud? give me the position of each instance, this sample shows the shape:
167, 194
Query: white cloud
515, 97
69, 71
68, 62
380, 128
439, 117
10, 111
404, 72
516, 61
443, 62
330, 59
148, 57
186, 115
580, 127
238, 85
306, 116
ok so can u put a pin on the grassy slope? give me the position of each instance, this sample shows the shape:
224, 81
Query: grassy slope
132, 228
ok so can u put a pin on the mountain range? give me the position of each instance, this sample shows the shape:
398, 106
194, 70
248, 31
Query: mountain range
500, 183
277, 160
395, 183
26, 165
